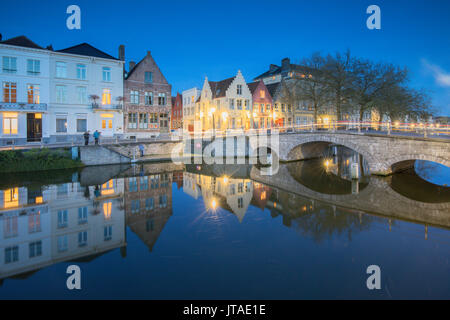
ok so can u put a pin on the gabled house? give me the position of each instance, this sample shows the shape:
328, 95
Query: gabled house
147, 96
177, 112
262, 117
225, 104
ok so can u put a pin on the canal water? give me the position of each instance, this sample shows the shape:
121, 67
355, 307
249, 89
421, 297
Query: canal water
164, 231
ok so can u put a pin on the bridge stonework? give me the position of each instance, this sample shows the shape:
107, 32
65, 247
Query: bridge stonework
381, 152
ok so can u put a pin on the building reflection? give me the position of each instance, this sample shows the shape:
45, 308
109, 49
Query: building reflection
148, 205
49, 224
232, 194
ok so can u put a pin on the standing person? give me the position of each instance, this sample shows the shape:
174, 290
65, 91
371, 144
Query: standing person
141, 149
96, 136
86, 138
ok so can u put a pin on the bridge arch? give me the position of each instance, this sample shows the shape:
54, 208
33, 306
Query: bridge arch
405, 161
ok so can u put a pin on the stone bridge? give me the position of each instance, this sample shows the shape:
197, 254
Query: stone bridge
377, 197
384, 154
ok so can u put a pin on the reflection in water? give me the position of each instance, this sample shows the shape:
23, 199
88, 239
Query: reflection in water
85, 216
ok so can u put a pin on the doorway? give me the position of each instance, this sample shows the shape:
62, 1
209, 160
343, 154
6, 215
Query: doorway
34, 127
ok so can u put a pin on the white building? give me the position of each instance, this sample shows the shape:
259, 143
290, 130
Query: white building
189, 96
24, 99
57, 95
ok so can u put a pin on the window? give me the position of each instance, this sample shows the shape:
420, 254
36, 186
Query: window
239, 89
61, 94
148, 77
81, 95
262, 94
149, 98
282, 107
35, 249
107, 233
106, 74
149, 204
107, 120
231, 103
82, 238
81, 125
33, 67
163, 201
62, 218
240, 203
33, 93
81, 72
10, 226
106, 97
61, 69
132, 120
61, 125
62, 243
82, 215
10, 92
9, 64
162, 99
239, 104
143, 121
10, 123
135, 206
134, 97
34, 222
247, 104
153, 118
149, 225
11, 254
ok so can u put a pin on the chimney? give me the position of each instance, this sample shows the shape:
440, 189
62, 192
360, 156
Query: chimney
285, 64
50, 47
122, 52
148, 53
132, 64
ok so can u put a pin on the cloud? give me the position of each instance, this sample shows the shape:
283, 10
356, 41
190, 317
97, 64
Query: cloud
441, 77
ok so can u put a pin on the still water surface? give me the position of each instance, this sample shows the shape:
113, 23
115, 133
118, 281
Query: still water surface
162, 231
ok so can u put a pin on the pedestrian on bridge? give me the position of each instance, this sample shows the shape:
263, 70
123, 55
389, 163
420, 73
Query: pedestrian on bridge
86, 137
96, 136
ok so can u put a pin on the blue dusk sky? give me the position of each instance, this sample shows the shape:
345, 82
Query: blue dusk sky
192, 39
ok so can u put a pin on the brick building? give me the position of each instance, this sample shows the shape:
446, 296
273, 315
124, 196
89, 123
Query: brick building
177, 112
147, 96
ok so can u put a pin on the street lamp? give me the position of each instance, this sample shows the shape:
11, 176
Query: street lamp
212, 112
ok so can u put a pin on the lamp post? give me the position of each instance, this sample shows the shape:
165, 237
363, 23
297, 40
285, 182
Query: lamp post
212, 111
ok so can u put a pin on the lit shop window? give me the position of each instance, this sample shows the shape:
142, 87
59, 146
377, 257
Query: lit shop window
108, 188
10, 123
11, 198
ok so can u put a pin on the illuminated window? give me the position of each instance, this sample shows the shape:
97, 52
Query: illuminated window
108, 187
10, 123
262, 94
106, 97
33, 93
263, 195
106, 72
107, 210
10, 92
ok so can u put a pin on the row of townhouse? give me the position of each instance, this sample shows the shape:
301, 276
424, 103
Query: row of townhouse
262, 104
51, 96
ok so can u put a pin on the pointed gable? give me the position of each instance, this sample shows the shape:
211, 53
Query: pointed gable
147, 64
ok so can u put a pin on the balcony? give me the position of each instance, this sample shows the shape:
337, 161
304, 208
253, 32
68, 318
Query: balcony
104, 107
25, 107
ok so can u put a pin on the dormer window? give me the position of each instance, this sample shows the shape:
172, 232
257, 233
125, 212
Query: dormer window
148, 77
239, 89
